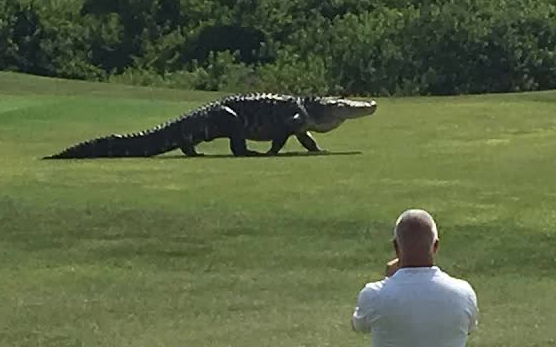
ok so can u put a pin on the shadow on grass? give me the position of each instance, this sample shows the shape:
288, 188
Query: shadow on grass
279, 155
222, 156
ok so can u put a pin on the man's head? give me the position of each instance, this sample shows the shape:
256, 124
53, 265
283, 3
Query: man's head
415, 238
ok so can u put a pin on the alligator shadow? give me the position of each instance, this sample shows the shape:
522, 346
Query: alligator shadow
279, 155
213, 156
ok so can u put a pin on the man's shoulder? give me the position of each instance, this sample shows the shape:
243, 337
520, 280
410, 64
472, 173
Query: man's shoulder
453, 279
457, 283
370, 293
375, 286
371, 289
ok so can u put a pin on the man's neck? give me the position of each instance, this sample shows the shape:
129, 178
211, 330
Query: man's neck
417, 263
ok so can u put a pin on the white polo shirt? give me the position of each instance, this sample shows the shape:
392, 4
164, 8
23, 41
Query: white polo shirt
421, 306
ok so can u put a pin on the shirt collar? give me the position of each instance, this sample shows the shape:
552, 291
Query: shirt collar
417, 270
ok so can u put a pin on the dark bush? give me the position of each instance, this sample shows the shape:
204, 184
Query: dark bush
400, 47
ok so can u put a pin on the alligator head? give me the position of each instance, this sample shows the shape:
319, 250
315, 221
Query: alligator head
327, 113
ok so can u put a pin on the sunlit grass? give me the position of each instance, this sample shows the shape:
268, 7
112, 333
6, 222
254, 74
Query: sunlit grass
222, 251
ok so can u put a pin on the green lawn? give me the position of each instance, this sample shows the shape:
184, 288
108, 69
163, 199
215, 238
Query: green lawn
222, 251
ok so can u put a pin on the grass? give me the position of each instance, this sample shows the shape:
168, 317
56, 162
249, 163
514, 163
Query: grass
221, 251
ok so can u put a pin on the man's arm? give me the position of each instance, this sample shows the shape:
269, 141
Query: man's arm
364, 312
360, 320
473, 310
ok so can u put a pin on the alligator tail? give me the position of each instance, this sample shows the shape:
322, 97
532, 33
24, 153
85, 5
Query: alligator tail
147, 143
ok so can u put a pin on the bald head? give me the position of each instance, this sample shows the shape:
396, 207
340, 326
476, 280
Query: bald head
415, 235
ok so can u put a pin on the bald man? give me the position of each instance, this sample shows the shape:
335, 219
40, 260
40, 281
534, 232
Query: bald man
417, 304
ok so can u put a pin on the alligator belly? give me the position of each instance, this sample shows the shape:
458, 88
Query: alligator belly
263, 133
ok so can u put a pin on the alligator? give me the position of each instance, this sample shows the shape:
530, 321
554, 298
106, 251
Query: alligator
238, 117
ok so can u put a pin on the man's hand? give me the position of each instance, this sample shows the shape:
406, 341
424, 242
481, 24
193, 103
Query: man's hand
391, 267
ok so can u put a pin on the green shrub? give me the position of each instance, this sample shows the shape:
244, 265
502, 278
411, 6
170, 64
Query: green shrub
401, 47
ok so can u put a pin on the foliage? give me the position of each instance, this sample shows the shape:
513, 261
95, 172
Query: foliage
400, 47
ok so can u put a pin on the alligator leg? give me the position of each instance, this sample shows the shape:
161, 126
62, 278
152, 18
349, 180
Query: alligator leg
277, 144
187, 144
294, 124
238, 146
305, 138
238, 142
308, 142
190, 151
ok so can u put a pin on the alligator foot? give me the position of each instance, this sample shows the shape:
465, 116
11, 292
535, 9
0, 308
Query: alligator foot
277, 144
250, 153
309, 142
196, 154
190, 151
273, 151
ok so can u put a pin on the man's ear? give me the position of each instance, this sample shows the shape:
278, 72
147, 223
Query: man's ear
435, 247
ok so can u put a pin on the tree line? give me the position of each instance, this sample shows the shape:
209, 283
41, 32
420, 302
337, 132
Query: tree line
356, 47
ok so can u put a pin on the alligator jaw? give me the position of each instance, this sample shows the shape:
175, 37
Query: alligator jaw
357, 109
328, 113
